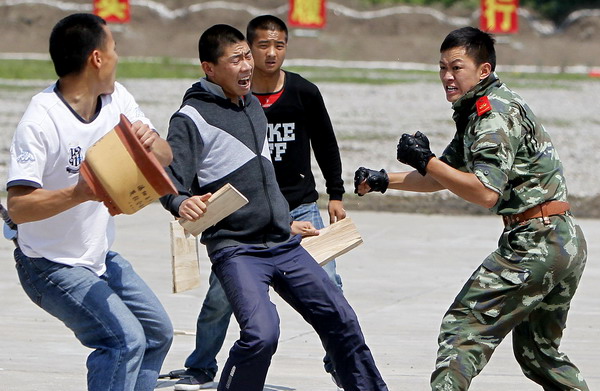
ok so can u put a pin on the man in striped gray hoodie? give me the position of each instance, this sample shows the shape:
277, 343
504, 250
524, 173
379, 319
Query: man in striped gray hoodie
219, 136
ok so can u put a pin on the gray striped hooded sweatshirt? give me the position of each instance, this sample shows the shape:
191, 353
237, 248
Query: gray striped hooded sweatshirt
216, 142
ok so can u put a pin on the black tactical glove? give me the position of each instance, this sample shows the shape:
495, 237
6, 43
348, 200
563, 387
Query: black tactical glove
377, 180
414, 151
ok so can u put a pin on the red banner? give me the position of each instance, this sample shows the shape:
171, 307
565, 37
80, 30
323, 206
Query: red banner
116, 11
499, 16
307, 13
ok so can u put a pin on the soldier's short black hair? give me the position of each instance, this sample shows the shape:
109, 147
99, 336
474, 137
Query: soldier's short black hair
265, 22
72, 40
478, 44
214, 39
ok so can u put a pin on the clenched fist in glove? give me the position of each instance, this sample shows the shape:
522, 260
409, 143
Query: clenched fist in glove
414, 151
376, 180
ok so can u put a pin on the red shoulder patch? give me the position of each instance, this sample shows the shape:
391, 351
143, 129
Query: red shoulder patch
483, 105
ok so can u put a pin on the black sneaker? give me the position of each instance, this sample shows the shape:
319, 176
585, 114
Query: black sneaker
175, 374
193, 380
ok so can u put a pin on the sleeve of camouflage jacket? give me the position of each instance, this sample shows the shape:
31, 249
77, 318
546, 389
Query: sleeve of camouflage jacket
496, 138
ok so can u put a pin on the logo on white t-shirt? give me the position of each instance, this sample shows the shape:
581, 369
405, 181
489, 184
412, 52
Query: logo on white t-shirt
75, 160
25, 157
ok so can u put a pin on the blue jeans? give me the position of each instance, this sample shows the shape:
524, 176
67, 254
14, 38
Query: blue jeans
247, 273
215, 314
211, 328
115, 314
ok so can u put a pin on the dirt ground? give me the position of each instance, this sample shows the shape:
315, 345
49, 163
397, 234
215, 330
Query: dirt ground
413, 36
368, 127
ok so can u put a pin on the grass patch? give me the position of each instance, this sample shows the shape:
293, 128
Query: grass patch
163, 68
27, 69
556, 83
167, 68
7, 87
171, 68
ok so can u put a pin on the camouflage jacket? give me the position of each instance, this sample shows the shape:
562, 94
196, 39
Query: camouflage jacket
499, 139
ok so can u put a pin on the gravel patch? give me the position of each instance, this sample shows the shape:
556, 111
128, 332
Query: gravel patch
369, 119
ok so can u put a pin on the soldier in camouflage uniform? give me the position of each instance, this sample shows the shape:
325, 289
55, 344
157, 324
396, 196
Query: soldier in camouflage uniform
501, 158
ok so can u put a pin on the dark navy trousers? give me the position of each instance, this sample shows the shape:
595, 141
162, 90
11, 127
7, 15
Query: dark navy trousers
246, 272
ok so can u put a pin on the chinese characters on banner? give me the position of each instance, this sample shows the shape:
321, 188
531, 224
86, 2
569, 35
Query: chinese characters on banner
307, 13
116, 11
499, 16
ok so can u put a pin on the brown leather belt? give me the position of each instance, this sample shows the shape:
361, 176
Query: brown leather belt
545, 210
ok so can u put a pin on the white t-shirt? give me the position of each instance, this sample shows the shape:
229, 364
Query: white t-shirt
47, 150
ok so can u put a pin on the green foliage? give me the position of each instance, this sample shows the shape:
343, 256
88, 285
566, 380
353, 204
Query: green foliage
558, 10
555, 10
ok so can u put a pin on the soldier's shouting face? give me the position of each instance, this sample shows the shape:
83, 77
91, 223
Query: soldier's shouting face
460, 73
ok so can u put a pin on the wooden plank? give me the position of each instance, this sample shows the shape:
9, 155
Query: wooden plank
221, 204
184, 259
333, 241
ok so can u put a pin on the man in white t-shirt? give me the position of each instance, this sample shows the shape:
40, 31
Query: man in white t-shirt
63, 259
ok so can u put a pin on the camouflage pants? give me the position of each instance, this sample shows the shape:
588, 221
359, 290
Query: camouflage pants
526, 287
